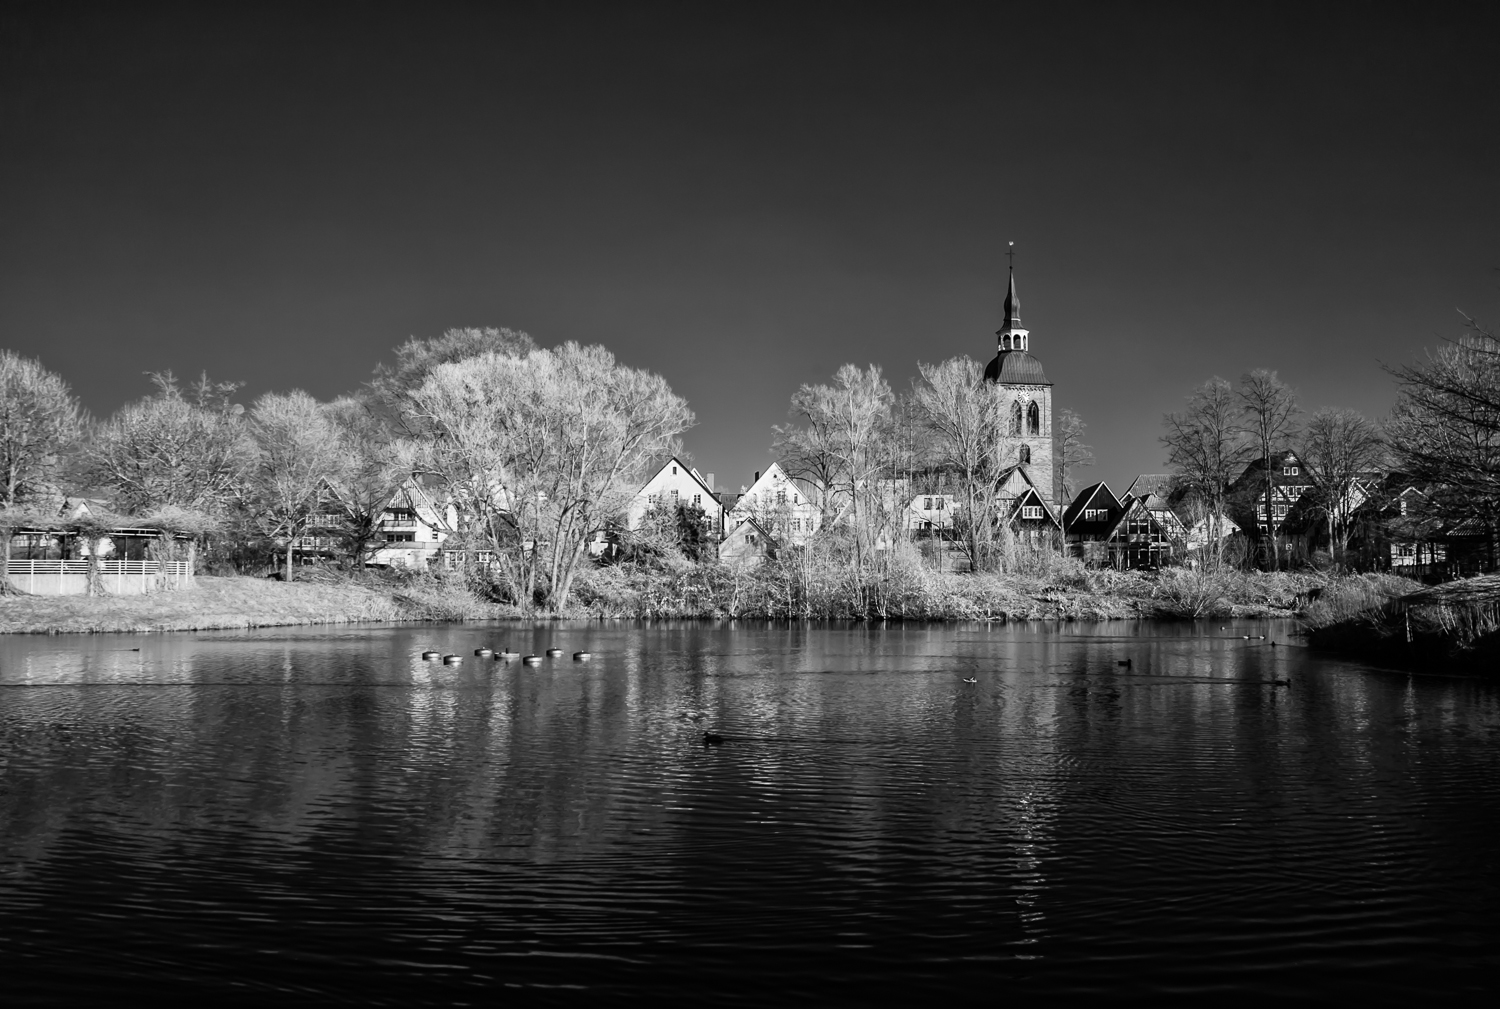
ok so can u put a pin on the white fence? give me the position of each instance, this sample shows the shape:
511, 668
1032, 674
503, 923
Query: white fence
121, 578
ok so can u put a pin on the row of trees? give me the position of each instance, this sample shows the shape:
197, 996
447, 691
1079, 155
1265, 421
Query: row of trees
537, 447
1443, 435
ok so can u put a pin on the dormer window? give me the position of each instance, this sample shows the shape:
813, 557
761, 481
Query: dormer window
1289, 470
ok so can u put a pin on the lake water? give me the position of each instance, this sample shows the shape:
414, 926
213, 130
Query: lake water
322, 817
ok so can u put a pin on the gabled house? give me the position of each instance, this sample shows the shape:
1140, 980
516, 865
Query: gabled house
784, 507
1089, 522
1024, 505
747, 544
1288, 480
1142, 537
415, 527
677, 485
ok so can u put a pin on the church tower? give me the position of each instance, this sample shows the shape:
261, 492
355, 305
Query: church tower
1025, 398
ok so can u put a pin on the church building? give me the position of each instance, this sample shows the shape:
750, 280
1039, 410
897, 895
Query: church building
1026, 401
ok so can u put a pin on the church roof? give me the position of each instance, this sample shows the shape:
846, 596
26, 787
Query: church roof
1015, 367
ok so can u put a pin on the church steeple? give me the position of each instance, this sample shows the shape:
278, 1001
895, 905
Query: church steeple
1012, 336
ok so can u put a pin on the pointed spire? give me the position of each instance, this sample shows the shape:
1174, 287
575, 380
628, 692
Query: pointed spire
1012, 303
1012, 336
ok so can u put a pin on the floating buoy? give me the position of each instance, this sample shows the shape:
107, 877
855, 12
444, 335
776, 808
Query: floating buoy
582, 656
483, 653
452, 660
430, 656
532, 660
553, 653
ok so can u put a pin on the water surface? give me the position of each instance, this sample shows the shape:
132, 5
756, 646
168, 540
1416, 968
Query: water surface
323, 817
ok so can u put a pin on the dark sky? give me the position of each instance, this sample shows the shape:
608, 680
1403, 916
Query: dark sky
743, 198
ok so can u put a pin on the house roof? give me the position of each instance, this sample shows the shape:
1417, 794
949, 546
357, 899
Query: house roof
1089, 497
1159, 484
691, 471
768, 479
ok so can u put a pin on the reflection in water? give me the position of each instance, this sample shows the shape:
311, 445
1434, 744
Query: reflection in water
325, 816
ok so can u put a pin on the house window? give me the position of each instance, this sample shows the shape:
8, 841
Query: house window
1289, 471
1033, 420
674, 499
698, 500
927, 504
939, 504
781, 497
1031, 511
796, 525
674, 470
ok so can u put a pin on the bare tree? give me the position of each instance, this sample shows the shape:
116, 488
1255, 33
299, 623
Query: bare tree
1071, 453
39, 419
964, 413
545, 449
1268, 417
299, 455
809, 450
375, 464
183, 448
1206, 448
1341, 452
1445, 430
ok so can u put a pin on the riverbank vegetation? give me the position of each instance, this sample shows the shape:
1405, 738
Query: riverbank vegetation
908, 591
1449, 627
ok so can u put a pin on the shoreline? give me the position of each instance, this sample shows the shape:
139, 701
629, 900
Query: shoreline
244, 603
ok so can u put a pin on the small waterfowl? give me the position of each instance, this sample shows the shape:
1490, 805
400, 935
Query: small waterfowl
532, 660
452, 660
582, 656
432, 656
1127, 663
971, 679
553, 653
1281, 683
712, 739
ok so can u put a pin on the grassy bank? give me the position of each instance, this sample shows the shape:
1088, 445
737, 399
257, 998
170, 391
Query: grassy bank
1450, 627
1064, 591
219, 603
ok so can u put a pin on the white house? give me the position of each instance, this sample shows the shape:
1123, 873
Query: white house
675, 485
784, 507
929, 513
415, 527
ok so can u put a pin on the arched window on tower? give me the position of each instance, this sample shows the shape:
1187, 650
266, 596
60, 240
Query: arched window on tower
1025, 455
1015, 418
1033, 419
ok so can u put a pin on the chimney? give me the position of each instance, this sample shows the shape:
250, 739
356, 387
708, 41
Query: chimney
757, 477
710, 481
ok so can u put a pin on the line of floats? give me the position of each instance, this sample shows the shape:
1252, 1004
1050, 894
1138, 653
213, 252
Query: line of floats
504, 655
